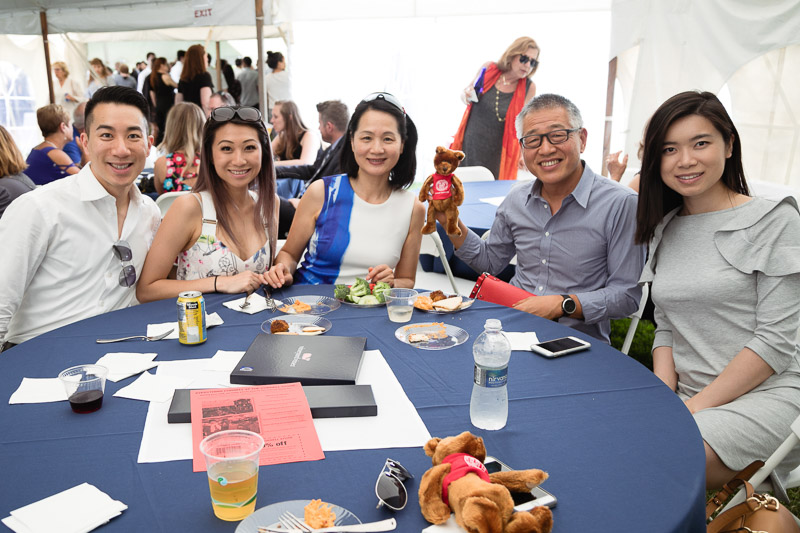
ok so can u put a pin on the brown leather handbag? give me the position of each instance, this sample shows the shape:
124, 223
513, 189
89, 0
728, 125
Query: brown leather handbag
759, 513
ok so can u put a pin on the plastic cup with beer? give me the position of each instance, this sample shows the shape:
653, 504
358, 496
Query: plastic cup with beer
85, 385
400, 304
232, 466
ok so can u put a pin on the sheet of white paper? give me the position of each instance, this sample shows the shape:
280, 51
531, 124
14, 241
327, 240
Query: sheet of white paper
397, 425
521, 340
81, 508
448, 527
157, 329
257, 304
123, 365
39, 390
224, 361
494, 200
152, 388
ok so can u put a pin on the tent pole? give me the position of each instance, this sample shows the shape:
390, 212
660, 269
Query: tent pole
612, 77
46, 42
219, 69
260, 58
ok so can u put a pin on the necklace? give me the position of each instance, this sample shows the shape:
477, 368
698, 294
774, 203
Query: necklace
51, 143
497, 106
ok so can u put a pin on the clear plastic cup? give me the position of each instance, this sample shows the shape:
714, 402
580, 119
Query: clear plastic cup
85, 385
232, 466
400, 304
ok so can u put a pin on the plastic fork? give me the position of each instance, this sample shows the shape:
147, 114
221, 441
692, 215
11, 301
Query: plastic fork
292, 524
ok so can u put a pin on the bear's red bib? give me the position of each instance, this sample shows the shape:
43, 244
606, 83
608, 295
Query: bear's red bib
441, 187
462, 464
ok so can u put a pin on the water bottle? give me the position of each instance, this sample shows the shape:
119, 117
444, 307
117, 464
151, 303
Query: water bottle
488, 407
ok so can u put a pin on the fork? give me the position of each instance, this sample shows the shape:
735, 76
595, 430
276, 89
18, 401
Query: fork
270, 301
143, 337
292, 524
245, 304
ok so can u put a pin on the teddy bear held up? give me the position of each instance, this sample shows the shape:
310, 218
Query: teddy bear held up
443, 191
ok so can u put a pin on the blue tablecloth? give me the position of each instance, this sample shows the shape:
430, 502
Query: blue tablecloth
622, 452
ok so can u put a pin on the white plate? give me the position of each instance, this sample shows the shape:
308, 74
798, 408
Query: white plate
465, 303
268, 515
455, 335
382, 304
320, 305
298, 322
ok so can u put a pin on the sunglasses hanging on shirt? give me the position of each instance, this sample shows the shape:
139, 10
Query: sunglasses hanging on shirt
127, 276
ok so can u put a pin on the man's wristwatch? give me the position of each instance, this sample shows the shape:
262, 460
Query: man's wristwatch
568, 305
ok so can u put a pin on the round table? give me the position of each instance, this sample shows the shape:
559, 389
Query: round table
622, 452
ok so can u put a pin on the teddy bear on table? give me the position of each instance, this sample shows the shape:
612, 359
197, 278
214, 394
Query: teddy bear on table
482, 503
443, 190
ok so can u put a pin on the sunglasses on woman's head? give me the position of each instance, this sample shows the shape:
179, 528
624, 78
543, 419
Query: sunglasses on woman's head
247, 114
385, 97
389, 488
525, 59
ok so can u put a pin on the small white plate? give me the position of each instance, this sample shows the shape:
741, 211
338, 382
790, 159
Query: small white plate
298, 322
320, 305
454, 335
268, 515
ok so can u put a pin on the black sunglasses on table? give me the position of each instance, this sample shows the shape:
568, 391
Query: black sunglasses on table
389, 488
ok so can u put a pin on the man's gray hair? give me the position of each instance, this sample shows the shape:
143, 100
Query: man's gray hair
549, 101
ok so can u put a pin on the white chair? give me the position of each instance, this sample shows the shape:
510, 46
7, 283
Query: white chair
767, 479
165, 200
467, 174
432, 245
635, 318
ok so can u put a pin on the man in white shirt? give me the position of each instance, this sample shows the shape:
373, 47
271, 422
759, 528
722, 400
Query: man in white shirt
248, 77
74, 248
151, 56
177, 68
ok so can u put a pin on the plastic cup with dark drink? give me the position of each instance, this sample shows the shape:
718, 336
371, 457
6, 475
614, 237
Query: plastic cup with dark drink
85, 385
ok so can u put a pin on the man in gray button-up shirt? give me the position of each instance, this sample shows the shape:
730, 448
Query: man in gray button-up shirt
571, 229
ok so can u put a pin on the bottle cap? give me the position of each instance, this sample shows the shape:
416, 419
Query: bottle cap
493, 323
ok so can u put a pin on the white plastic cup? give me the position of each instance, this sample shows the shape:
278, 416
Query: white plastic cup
85, 386
400, 304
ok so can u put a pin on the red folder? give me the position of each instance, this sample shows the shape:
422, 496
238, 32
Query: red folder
490, 289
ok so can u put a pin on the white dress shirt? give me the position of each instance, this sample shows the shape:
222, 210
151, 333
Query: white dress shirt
175, 71
140, 81
58, 263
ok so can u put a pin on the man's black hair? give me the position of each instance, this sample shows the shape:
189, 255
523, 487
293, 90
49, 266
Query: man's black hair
246, 61
115, 94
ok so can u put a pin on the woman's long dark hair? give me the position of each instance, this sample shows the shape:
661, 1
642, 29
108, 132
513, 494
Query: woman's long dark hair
209, 180
655, 198
293, 130
405, 170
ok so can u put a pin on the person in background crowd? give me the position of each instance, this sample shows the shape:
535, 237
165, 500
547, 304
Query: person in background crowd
144, 74
616, 168
277, 82
371, 226
98, 77
67, 90
124, 78
177, 68
73, 249
220, 99
212, 71
177, 170
248, 78
234, 86
13, 181
195, 85
47, 161
78, 127
294, 144
494, 99
223, 219
725, 275
162, 94
571, 229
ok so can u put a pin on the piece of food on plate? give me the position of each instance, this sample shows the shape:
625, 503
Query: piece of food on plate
448, 304
359, 288
379, 291
313, 329
342, 292
437, 295
318, 514
417, 337
434, 330
286, 333
424, 303
368, 300
278, 326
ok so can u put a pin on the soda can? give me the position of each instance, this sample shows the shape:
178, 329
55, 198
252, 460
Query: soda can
191, 318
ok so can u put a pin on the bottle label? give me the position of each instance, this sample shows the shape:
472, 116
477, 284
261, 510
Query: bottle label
491, 377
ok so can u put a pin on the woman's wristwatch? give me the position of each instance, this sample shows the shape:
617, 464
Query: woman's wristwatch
568, 305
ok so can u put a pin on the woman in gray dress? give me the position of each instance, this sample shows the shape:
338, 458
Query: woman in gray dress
725, 274
13, 182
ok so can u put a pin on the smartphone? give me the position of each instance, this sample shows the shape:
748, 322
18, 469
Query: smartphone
523, 501
559, 347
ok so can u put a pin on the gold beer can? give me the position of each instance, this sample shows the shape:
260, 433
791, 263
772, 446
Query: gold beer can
191, 318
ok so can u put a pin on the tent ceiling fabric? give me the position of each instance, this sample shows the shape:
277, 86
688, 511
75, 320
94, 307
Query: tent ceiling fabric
683, 45
22, 16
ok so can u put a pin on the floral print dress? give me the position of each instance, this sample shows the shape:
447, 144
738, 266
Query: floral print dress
176, 172
210, 257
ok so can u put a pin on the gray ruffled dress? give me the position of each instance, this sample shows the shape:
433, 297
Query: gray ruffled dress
722, 281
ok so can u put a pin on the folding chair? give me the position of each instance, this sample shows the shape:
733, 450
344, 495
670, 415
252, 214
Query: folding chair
165, 200
635, 318
468, 174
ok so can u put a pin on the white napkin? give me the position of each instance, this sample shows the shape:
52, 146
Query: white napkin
76, 510
39, 390
224, 361
152, 388
123, 365
257, 304
157, 329
494, 200
448, 527
521, 340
